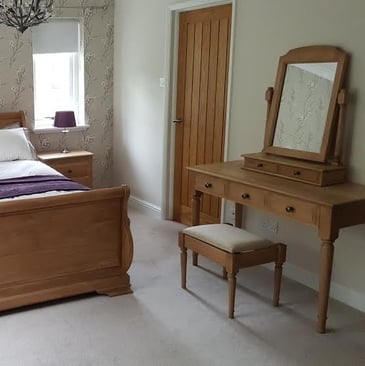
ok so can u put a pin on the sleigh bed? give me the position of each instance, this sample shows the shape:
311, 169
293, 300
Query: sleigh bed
56, 246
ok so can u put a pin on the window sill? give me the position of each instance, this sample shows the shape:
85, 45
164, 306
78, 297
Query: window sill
41, 130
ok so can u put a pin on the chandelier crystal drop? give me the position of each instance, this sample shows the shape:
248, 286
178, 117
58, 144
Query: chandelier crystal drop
22, 14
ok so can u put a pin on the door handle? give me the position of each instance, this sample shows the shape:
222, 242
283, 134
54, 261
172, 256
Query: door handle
177, 121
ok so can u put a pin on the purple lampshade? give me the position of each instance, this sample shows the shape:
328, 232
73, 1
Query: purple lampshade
64, 119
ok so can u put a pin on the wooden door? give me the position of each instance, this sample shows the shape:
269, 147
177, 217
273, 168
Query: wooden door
203, 61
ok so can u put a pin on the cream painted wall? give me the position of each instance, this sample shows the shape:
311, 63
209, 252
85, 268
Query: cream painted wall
140, 27
264, 30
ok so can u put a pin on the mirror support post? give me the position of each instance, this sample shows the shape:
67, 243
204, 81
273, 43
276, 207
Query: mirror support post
268, 97
341, 100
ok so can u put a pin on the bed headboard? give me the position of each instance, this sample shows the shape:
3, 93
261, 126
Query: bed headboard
10, 118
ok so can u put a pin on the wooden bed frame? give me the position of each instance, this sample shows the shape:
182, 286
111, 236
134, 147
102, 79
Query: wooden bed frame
60, 246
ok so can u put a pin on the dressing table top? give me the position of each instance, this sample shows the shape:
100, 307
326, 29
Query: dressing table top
337, 194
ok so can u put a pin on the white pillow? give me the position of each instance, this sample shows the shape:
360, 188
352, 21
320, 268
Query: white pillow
27, 135
14, 145
31, 146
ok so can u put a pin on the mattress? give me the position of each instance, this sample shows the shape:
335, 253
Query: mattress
25, 168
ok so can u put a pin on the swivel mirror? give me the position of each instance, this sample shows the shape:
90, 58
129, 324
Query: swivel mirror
306, 112
302, 122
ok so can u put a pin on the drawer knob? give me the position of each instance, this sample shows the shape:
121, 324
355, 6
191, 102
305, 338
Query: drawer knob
245, 196
208, 185
289, 209
296, 172
260, 165
69, 171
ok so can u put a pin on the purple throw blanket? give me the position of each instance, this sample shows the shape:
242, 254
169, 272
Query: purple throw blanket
15, 187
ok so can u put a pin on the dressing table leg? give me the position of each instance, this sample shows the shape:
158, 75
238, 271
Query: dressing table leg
327, 250
195, 210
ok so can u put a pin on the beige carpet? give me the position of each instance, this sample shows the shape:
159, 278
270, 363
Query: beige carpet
160, 324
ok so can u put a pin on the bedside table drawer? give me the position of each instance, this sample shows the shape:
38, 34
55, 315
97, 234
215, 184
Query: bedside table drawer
76, 165
86, 181
71, 169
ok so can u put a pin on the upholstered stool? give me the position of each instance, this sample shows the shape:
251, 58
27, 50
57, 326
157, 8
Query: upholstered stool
232, 248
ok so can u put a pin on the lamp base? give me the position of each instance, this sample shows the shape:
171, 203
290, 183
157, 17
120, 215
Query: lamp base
65, 151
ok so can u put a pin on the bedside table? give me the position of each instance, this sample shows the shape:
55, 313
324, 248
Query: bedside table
76, 165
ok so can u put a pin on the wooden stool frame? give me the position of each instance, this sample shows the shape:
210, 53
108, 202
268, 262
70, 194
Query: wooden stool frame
233, 262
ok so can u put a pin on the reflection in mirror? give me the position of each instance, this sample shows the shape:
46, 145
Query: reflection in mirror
304, 106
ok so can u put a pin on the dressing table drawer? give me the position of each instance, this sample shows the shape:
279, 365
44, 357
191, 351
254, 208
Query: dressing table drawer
209, 185
245, 194
299, 210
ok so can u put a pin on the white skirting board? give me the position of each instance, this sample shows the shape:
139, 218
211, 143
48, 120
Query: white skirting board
338, 292
145, 207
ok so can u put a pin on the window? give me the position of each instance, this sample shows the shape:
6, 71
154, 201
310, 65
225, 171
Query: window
57, 71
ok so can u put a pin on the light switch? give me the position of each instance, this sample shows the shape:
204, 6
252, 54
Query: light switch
162, 82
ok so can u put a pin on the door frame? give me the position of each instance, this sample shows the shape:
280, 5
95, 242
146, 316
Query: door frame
171, 61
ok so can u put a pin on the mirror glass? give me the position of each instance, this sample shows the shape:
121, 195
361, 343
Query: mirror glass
304, 107
304, 104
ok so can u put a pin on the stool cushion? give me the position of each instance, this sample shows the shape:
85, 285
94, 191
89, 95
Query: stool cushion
228, 238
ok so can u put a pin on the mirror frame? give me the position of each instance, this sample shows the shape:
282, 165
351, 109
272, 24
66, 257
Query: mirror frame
309, 54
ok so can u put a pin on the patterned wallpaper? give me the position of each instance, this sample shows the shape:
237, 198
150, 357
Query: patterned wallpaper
303, 110
16, 82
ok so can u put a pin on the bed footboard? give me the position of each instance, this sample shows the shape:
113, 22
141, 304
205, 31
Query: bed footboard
61, 246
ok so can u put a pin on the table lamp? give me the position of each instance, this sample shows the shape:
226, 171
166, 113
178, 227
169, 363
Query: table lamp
65, 120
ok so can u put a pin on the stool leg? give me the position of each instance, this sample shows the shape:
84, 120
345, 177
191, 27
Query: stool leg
224, 273
195, 258
277, 283
231, 294
278, 272
183, 261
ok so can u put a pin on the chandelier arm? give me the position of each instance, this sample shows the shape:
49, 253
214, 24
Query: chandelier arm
15, 13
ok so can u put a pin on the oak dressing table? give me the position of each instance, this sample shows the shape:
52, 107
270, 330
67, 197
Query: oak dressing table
327, 208
299, 173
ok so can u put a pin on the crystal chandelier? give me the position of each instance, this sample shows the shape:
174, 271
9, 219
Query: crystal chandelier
22, 14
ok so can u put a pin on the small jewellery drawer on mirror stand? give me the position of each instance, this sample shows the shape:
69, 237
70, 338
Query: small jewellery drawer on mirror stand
319, 174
